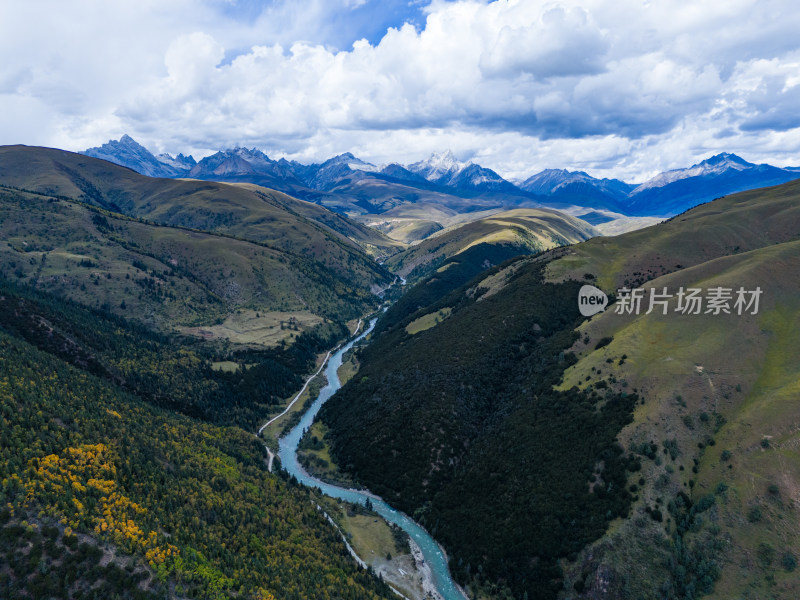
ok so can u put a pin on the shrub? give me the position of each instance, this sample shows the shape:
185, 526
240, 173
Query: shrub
754, 514
788, 561
604, 342
766, 554
656, 515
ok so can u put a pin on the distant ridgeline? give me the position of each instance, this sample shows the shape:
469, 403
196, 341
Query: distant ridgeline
99, 459
348, 184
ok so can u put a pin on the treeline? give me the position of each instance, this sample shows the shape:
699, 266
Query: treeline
192, 503
166, 371
460, 427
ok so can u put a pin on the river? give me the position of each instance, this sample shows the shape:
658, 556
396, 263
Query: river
431, 552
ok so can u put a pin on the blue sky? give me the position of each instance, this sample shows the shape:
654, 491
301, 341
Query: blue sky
621, 88
344, 23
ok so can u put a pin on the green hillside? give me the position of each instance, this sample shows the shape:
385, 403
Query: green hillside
722, 388
645, 456
107, 491
165, 276
246, 212
527, 230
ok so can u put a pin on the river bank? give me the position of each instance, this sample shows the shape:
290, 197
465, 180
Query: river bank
430, 555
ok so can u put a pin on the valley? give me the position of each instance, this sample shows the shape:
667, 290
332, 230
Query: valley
419, 300
525, 450
693, 483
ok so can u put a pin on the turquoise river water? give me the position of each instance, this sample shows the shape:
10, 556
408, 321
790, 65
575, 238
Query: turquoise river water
431, 551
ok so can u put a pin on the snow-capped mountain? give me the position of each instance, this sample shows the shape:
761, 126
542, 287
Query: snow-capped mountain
552, 181
345, 166
346, 182
439, 168
180, 163
129, 153
444, 169
579, 188
716, 165
675, 191
666, 194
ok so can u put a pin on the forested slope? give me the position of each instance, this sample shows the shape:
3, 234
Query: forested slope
631, 455
458, 425
181, 507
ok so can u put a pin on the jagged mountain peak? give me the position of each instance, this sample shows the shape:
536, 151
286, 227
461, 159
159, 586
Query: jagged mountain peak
445, 158
438, 163
440, 167
180, 162
129, 153
726, 158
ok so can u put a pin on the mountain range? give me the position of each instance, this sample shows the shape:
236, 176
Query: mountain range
443, 186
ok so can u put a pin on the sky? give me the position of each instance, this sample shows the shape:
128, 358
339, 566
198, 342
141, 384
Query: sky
617, 88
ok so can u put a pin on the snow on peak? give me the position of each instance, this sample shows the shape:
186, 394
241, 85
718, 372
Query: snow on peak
714, 165
440, 167
550, 180
179, 162
351, 161
363, 166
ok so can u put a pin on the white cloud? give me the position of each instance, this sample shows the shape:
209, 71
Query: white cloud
620, 87
560, 42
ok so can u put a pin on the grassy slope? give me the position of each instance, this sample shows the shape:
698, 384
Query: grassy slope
164, 275
727, 226
255, 214
406, 230
731, 379
368, 238
739, 367
531, 230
